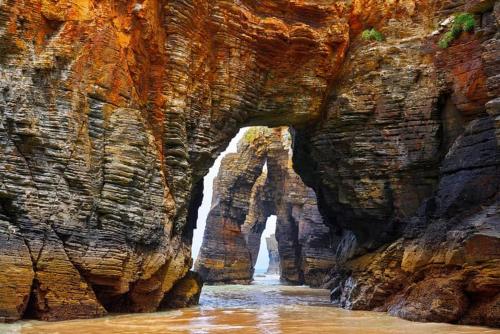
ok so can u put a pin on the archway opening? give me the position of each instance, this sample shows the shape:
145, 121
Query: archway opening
251, 193
268, 259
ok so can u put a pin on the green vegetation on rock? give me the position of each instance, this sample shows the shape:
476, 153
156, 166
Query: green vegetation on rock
446, 40
372, 35
461, 22
254, 133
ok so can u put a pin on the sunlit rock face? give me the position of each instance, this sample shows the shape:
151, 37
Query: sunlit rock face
240, 210
186, 292
111, 112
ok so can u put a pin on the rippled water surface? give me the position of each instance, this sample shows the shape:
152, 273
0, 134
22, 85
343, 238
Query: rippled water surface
265, 307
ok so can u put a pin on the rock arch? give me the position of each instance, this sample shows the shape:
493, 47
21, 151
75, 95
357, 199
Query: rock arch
244, 197
111, 113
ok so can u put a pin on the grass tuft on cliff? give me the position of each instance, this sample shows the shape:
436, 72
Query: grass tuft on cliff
462, 22
254, 132
372, 35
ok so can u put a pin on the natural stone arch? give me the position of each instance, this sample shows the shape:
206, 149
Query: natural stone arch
76, 73
240, 210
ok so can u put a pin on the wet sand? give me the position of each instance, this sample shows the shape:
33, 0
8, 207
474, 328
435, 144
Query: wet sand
264, 307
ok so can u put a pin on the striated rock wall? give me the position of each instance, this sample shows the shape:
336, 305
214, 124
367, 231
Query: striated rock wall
111, 112
406, 171
231, 241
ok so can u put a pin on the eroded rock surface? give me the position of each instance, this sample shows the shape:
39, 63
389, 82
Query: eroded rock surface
110, 115
406, 171
186, 292
224, 255
111, 112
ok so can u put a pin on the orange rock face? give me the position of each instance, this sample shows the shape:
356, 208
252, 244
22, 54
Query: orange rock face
111, 113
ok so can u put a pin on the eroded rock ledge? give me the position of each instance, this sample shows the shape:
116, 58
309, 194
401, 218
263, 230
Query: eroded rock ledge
111, 112
244, 197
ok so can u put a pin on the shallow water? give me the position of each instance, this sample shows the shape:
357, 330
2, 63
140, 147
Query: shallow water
264, 307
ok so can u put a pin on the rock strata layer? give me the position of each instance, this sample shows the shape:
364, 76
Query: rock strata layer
111, 113
406, 168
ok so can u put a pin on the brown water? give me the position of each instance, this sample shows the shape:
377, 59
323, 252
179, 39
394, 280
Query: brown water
265, 307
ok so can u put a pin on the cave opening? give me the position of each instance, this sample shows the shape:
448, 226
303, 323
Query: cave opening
253, 199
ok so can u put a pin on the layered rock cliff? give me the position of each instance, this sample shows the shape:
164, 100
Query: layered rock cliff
111, 112
406, 171
245, 196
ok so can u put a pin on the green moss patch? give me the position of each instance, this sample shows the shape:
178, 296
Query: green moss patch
463, 22
372, 35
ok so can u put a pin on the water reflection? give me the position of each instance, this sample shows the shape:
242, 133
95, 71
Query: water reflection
265, 307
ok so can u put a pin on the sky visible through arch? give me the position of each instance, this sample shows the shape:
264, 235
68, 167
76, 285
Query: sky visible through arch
263, 259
